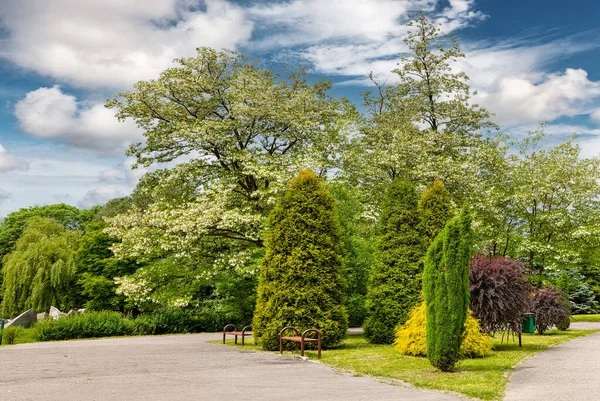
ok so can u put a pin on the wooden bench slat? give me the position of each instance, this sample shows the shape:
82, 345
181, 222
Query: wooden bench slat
298, 339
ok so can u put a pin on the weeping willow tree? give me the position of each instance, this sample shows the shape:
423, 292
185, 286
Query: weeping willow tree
38, 273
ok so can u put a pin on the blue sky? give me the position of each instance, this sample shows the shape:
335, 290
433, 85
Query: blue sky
530, 61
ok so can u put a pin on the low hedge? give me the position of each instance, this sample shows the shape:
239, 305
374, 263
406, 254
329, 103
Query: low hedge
84, 325
110, 324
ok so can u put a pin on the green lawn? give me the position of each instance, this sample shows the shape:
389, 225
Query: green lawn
484, 378
585, 318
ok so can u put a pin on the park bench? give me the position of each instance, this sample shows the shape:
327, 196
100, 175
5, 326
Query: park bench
302, 339
244, 333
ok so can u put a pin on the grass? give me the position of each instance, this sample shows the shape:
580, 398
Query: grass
23, 336
484, 378
585, 318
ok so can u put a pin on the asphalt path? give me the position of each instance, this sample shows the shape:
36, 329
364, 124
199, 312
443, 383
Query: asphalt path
569, 371
179, 367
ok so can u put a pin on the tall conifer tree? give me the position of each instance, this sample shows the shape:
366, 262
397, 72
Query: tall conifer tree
302, 279
395, 282
446, 289
435, 208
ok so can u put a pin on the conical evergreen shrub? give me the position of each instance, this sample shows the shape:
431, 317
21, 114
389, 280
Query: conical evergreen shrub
395, 280
435, 208
301, 280
446, 290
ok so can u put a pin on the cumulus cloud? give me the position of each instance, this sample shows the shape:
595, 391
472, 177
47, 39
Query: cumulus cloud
511, 78
518, 100
113, 43
50, 113
9, 162
595, 116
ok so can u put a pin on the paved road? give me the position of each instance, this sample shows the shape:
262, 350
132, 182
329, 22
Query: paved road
569, 371
182, 367
585, 325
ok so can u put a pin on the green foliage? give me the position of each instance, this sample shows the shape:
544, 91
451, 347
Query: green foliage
395, 282
435, 209
115, 207
411, 336
96, 267
547, 199
108, 324
359, 243
251, 130
357, 309
38, 273
10, 334
173, 320
14, 224
84, 325
426, 125
234, 295
99, 293
446, 289
301, 280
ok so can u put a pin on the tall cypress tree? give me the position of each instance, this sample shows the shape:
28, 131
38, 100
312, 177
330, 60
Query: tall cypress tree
395, 281
301, 280
446, 289
435, 208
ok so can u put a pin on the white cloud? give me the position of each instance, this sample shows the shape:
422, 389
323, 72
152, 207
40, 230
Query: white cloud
114, 43
518, 100
50, 113
9, 162
595, 116
511, 78
58, 176
309, 21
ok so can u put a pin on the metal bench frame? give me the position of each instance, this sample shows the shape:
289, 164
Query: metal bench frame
302, 339
246, 331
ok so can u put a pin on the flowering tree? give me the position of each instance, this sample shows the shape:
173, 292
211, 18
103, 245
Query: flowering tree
544, 204
239, 133
425, 126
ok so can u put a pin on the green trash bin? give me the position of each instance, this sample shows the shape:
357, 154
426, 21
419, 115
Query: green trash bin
1, 328
528, 322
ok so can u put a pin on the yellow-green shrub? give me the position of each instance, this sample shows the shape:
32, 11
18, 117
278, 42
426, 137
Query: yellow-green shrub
411, 336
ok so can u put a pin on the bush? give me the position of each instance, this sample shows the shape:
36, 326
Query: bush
411, 337
83, 325
550, 307
172, 321
499, 293
301, 280
395, 281
10, 334
446, 290
564, 324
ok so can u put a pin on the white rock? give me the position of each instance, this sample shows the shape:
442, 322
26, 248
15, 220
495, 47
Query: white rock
55, 313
